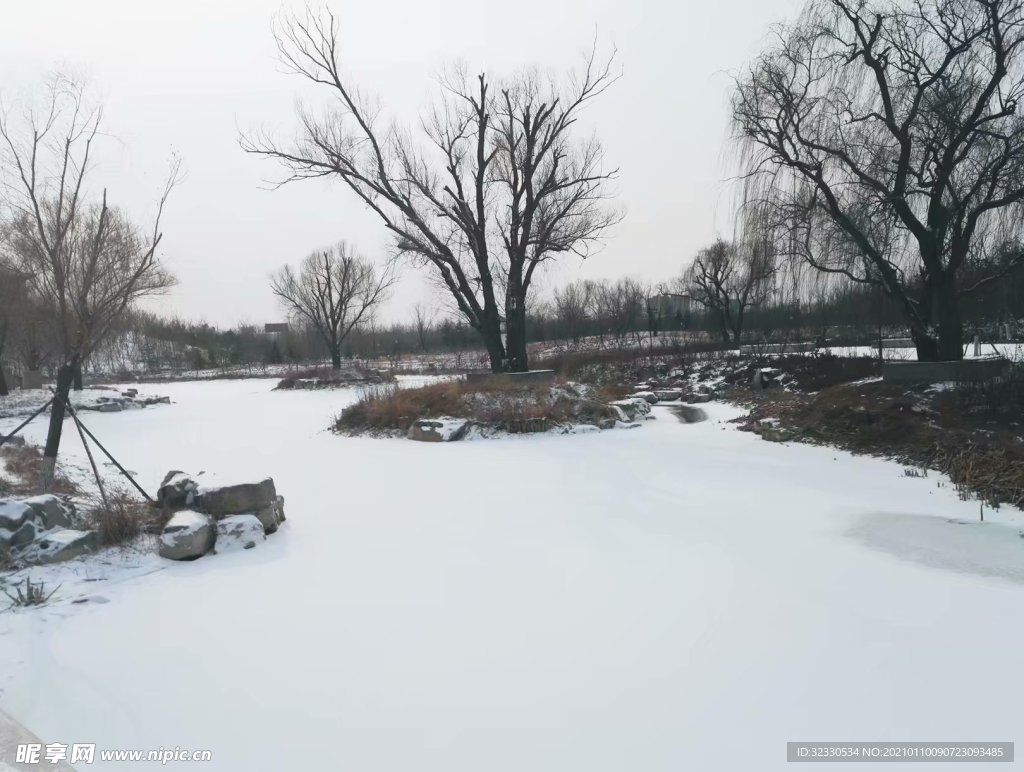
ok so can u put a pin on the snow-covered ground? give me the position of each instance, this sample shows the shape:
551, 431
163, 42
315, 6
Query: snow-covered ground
686, 597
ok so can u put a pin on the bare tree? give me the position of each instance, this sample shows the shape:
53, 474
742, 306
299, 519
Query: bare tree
886, 136
621, 307
87, 263
574, 305
507, 189
727, 279
334, 291
423, 319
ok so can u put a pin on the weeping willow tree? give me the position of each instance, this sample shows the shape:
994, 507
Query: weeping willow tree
883, 138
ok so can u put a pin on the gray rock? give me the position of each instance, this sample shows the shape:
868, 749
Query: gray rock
51, 511
12, 440
20, 538
701, 398
177, 490
62, 544
632, 407
187, 536
648, 396
110, 407
239, 532
438, 429
13, 513
668, 395
259, 499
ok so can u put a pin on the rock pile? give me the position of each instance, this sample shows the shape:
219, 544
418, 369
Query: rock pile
209, 515
42, 529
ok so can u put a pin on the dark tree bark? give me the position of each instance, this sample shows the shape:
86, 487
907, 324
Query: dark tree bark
506, 188
887, 136
65, 375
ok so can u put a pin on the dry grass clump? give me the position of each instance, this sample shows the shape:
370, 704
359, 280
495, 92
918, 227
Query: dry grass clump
22, 465
122, 519
493, 403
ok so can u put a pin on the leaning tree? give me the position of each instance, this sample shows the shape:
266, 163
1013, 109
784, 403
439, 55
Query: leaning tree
499, 185
87, 264
883, 137
334, 292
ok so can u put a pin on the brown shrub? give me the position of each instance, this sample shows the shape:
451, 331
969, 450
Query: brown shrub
122, 519
493, 403
982, 453
23, 464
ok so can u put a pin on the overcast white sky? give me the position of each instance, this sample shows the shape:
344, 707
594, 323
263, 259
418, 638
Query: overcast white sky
188, 75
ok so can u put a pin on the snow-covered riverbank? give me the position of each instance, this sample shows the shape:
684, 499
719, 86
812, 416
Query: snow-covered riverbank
685, 597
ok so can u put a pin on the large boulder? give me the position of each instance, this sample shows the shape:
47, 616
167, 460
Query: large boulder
177, 490
51, 511
239, 532
438, 429
188, 535
19, 538
13, 514
259, 499
62, 544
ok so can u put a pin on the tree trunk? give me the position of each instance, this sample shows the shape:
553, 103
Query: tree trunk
943, 339
77, 378
4, 391
335, 357
46, 473
946, 310
515, 326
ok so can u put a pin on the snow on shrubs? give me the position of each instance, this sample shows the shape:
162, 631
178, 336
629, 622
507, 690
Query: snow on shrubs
491, 405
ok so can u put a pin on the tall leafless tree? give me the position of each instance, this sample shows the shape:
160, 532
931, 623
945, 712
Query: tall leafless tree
574, 308
728, 279
334, 292
886, 135
87, 263
423, 318
498, 187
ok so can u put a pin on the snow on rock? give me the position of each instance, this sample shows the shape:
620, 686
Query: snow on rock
51, 511
188, 535
442, 429
61, 544
13, 514
178, 489
633, 407
648, 396
239, 532
25, 521
668, 395
219, 498
24, 402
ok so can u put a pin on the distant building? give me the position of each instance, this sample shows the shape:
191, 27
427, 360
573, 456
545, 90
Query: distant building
671, 309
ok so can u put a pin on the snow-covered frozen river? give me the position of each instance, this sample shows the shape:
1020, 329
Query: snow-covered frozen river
675, 597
